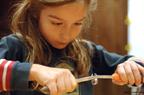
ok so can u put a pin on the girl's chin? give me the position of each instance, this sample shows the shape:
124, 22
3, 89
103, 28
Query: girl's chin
62, 46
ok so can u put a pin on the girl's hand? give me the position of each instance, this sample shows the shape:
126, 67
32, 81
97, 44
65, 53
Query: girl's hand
58, 80
129, 72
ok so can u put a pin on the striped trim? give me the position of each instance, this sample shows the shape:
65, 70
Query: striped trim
5, 75
9, 72
2, 63
5, 72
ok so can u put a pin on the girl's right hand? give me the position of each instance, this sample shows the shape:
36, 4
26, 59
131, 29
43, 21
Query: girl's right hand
58, 80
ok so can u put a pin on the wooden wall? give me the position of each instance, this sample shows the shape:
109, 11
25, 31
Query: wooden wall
108, 27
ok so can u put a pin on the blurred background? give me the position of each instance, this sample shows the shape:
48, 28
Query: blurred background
117, 25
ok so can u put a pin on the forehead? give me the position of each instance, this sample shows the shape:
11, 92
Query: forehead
75, 10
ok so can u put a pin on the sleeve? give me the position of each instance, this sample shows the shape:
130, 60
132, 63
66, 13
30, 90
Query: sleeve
104, 62
14, 72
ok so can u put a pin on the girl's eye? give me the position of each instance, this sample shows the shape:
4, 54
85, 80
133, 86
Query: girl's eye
57, 23
79, 24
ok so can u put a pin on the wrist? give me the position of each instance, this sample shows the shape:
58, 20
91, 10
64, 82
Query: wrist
33, 72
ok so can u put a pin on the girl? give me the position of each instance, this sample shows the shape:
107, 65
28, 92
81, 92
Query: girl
46, 50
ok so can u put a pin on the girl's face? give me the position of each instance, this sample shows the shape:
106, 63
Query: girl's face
62, 24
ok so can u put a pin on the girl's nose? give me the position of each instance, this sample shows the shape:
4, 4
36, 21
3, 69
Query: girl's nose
65, 37
65, 34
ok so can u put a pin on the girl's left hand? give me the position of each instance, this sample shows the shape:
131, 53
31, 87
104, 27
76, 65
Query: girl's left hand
130, 72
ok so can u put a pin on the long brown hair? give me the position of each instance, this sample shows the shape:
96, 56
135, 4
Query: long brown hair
24, 22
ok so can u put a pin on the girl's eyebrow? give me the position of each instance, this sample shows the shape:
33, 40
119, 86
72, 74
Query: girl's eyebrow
55, 17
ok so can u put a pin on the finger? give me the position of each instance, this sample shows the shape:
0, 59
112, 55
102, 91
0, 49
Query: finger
116, 77
73, 81
136, 73
68, 83
142, 71
52, 88
129, 73
61, 85
118, 82
122, 73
